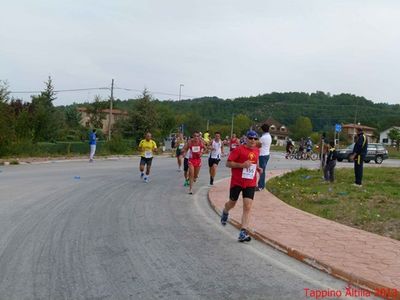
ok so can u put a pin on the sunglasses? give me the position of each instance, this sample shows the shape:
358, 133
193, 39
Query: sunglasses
253, 138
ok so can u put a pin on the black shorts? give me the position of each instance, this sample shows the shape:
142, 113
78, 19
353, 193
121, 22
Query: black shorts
178, 152
186, 164
145, 161
246, 192
213, 161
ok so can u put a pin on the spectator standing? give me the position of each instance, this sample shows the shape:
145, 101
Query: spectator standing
329, 169
92, 143
359, 153
266, 141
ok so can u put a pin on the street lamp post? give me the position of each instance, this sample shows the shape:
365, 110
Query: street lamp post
111, 108
180, 91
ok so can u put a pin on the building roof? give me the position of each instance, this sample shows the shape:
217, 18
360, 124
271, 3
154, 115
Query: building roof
392, 127
351, 125
271, 121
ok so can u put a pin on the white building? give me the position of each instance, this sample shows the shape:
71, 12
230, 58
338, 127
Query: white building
383, 136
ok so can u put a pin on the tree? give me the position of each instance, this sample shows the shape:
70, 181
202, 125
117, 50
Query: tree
96, 113
23, 125
4, 92
46, 122
225, 130
142, 117
193, 122
6, 120
241, 124
168, 122
302, 128
394, 135
49, 95
72, 117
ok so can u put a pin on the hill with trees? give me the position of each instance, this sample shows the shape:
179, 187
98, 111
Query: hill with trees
324, 110
25, 124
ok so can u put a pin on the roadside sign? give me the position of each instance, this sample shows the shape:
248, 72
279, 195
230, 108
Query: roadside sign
338, 128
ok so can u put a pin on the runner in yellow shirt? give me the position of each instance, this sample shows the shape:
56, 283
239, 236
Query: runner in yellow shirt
147, 148
206, 139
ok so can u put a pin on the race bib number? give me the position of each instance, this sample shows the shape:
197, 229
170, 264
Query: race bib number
196, 149
215, 156
148, 154
180, 147
249, 173
233, 146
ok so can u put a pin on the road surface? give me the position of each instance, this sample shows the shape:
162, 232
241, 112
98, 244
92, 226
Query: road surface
74, 230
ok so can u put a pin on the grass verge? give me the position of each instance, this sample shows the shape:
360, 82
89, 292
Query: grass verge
393, 153
375, 207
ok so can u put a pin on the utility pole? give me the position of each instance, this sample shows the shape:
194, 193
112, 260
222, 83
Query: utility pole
111, 108
180, 91
355, 115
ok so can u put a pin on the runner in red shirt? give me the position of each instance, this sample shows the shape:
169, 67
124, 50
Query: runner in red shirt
243, 162
233, 143
196, 147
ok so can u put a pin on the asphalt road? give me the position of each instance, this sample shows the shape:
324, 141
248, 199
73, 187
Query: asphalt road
108, 235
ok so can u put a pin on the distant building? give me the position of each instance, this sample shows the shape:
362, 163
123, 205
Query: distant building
279, 132
116, 115
350, 131
384, 138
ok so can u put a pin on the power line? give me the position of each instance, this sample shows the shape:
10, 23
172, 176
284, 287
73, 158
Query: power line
99, 88
60, 91
158, 93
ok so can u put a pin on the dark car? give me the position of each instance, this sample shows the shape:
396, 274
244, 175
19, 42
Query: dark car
376, 152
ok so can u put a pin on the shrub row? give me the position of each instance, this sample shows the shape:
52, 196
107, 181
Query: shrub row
27, 148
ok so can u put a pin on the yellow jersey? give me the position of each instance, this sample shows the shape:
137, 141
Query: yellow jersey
206, 137
147, 148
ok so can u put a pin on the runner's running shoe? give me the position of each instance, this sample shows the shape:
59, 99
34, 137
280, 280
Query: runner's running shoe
244, 236
224, 217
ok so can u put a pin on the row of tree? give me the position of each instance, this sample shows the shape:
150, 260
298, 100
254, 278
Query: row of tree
38, 120
305, 115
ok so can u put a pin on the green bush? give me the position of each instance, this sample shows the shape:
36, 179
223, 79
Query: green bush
26, 148
22, 147
117, 145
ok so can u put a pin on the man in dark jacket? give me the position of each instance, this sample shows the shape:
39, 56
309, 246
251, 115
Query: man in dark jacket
329, 169
359, 153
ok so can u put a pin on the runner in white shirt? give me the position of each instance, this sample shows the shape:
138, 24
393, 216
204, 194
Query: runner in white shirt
266, 142
216, 151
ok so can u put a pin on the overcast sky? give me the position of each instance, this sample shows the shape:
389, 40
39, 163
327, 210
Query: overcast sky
215, 48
